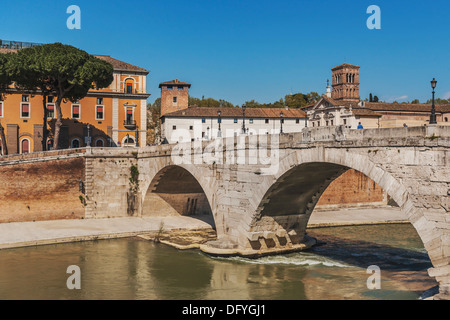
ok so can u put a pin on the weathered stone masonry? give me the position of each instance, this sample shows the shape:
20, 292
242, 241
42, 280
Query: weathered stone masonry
258, 212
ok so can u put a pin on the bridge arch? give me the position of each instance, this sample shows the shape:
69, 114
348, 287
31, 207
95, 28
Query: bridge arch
177, 190
287, 202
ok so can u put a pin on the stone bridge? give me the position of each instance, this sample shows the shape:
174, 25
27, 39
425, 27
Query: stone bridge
260, 191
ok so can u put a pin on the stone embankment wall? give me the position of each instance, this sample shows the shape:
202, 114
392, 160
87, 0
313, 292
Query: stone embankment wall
41, 187
352, 189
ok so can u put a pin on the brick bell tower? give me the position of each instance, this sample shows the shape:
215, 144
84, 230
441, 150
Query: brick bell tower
174, 96
346, 83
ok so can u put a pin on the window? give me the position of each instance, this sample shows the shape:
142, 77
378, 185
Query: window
169, 88
25, 110
25, 98
174, 127
75, 144
332, 122
49, 144
297, 121
203, 120
51, 111
345, 122
175, 99
130, 117
180, 88
129, 88
251, 121
446, 119
128, 141
314, 124
1, 109
235, 120
25, 146
191, 127
267, 121
51, 99
100, 101
100, 143
99, 115
327, 123
76, 112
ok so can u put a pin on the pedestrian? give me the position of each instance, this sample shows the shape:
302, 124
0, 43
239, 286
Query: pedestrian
405, 125
360, 126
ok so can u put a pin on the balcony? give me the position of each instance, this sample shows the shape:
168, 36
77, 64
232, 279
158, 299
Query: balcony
130, 124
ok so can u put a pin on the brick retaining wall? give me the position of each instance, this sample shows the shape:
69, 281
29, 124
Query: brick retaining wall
41, 190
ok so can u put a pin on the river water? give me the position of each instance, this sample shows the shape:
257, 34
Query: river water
137, 269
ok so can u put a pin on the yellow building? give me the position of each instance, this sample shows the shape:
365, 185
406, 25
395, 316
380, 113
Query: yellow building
111, 117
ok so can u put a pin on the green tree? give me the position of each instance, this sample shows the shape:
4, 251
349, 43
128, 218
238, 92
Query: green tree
5, 82
64, 71
415, 101
209, 103
439, 101
153, 123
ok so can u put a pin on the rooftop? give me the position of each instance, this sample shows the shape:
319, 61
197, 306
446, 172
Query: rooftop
346, 65
6, 44
174, 82
121, 65
118, 65
237, 113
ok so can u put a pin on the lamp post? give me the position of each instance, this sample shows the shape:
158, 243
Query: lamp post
88, 135
243, 123
281, 122
219, 120
433, 108
137, 136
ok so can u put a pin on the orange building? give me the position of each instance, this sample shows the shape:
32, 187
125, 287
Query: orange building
111, 117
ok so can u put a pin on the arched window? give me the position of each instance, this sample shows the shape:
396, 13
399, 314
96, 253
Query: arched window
25, 146
129, 86
75, 143
128, 141
446, 119
99, 143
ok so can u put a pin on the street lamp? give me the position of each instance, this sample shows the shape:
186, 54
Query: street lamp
88, 135
281, 122
219, 120
433, 108
243, 123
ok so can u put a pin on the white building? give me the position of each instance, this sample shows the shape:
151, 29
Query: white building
194, 123
180, 122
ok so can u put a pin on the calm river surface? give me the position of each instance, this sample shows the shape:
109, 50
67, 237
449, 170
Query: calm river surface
138, 269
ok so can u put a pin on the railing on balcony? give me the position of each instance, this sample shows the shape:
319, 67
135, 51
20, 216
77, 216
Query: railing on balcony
5, 44
130, 124
131, 91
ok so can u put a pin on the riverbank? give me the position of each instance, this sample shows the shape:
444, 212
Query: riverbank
357, 216
169, 229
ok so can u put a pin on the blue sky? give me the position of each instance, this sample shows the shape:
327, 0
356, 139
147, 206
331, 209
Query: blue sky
240, 50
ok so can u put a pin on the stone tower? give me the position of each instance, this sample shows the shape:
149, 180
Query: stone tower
174, 96
346, 82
